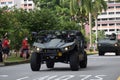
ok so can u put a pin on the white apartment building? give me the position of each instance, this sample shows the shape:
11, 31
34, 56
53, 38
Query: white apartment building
24, 4
109, 21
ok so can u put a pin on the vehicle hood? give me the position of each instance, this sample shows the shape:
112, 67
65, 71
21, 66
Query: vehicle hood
54, 43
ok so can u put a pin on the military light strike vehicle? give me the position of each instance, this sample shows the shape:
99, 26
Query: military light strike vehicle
109, 44
58, 46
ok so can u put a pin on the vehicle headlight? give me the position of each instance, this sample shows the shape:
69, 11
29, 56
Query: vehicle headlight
115, 44
99, 44
66, 48
38, 49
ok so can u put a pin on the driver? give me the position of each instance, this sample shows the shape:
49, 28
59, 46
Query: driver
113, 36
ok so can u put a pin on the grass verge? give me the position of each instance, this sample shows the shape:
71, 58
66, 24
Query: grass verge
13, 59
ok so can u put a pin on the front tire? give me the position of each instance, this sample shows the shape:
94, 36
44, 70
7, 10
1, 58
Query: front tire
101, 53
74, 61
35, 61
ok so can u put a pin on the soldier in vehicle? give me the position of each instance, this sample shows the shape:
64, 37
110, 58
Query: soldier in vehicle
113, 36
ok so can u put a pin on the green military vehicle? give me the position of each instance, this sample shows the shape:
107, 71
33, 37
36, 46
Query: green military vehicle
109, 44
59, 46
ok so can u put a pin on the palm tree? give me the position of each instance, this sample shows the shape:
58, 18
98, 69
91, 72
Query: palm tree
99, 5
92, 7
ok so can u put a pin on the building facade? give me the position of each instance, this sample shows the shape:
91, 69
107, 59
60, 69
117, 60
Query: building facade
109, 21
24, 4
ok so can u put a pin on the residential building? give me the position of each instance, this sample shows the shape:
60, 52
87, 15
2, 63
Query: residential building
24, 4
109, 20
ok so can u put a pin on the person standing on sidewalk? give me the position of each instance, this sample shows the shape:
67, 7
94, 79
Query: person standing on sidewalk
25, 48
6, 47
1, 60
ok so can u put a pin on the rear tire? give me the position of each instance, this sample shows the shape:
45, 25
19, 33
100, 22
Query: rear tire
118, 53
35, 61
83, 63
50, 64
74, 61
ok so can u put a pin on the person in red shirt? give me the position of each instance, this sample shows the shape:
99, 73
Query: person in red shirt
6, 47
25, 48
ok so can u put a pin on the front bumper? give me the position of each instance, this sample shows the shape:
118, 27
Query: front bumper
108, 48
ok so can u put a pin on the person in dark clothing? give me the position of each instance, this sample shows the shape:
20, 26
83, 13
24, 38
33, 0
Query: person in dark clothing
1, 60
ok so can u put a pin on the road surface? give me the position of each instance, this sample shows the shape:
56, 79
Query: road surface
99, 68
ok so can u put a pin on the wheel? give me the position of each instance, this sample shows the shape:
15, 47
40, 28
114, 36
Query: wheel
83, 63
118, 53
101, 53
74, 61
50, 64
35, 61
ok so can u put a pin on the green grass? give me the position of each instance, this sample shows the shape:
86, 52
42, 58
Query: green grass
91, 52
13, 58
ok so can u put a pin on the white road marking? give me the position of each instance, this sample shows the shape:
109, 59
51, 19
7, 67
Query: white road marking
84, 77
3, 75
66, 77
51, 78
98, 77
42, 78
23, 78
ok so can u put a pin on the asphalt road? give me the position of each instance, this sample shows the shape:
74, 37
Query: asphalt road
99, 68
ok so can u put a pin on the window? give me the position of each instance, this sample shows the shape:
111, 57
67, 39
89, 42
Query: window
104, 13
105, 30
104, 19
111, 12
29, 4
3, 2
104, 24
29, 0
111, 30
110, 1
98, 24
25, 4
117, 12
110, 7
118, 18
25, 0
98, 19
117, 6
112, 24
10, 2
118, 24
118, 29
111, 18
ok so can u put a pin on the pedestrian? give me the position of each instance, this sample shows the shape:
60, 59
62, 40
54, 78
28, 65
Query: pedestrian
1, 60
5, 47
25, 48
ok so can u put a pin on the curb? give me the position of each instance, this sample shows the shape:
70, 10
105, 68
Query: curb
2, 64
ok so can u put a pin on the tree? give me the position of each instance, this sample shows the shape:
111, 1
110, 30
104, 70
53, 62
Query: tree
90, 6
